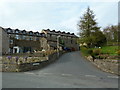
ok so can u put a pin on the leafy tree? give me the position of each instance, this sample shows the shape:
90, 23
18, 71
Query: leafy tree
111, 33
89, 31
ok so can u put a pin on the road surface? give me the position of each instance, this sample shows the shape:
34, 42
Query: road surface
71, 70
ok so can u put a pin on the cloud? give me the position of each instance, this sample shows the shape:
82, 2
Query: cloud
106, 14
60, 0
63, 16
5, 10
70, 24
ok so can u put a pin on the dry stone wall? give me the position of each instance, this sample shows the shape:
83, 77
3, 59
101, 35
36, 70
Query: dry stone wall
106, 65
20, 67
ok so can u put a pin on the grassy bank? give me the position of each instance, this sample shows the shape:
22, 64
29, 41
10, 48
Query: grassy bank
110, 50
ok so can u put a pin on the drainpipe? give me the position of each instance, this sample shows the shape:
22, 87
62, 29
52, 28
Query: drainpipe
58, 45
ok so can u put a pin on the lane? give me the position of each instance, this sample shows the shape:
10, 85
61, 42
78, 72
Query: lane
70, 71
55, 81
73, 63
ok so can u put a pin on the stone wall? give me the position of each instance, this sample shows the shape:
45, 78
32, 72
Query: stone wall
106, 65
20, 67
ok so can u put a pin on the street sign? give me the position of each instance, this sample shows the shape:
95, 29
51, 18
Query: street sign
36, 64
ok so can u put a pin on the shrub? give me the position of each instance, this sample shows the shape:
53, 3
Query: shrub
84, 50
90, 51
85, 46
9, 57
97, 51
118, 52
16, 58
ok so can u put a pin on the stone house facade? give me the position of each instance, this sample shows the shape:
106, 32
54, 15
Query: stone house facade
4, 41
22, 41
65, 40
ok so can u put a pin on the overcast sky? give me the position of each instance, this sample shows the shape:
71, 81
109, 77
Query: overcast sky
36, 15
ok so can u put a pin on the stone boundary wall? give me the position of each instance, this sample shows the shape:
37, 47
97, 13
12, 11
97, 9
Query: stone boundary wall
41, 54
106, 65
31, 66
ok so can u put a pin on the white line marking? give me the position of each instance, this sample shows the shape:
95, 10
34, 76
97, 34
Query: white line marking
90, 76
112, 76
47, 73
66, 74
28, 73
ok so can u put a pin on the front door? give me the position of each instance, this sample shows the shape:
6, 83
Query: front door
15, 50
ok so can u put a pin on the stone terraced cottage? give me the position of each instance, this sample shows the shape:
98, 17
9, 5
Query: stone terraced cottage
65, 40
22, 41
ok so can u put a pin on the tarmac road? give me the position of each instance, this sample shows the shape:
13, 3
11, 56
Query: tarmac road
71, 70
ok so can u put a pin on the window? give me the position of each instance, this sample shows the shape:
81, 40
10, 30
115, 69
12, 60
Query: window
43, 34
71, 41
24, 37
24, 32
54, 36
16, 32
17, 36
37, 38
34, 38
9, 35
37, 33
40, 34
9, 31
69, 38
31, 33
27, 38
31, 38
12, 36
50, 35
11, 41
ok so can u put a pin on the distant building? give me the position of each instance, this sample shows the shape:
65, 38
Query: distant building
22, 41
65, 40
83, 44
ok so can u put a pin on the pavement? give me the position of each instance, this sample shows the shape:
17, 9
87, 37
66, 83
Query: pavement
71, 70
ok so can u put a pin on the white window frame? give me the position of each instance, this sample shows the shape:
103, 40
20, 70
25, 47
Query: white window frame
16, 31
11, 41
17, 37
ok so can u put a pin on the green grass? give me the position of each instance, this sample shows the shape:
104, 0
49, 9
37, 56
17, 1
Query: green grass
84, 51
111, 50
